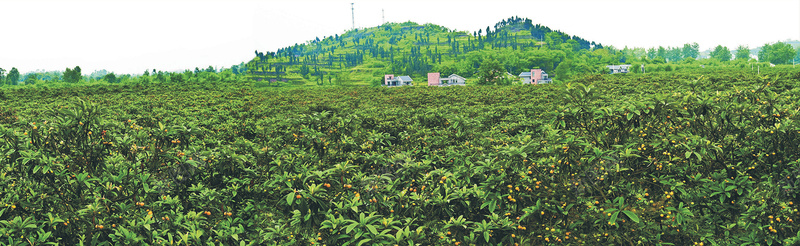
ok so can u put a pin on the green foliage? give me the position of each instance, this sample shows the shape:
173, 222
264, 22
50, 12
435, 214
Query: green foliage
490, 72
721, 53
73, 75
690, 50
415, 50
563, 70
110, 78
30, 79
13, 76
2, 76
777, 53
695, 155
743, 52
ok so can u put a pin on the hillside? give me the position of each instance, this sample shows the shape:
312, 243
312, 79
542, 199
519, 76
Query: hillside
363, 56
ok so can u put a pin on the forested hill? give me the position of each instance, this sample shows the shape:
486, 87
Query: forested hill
363, 56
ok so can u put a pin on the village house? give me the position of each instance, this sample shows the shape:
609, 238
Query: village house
619, 68
434, 79
391, 80
537, 76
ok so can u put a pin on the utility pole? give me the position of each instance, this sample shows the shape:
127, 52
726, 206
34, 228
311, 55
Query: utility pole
353, 12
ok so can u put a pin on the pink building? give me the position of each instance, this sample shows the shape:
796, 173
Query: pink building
387, 78
535, 76
433, 79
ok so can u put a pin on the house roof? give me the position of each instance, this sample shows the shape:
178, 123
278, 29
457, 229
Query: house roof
618, 66
406, 78
456, 75
525, 74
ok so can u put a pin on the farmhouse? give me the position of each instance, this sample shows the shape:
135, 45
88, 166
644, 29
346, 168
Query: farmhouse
391, 80
538, 76
618, 68
434, 79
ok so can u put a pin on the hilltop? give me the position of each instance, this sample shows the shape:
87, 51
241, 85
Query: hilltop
363, 56
514, 45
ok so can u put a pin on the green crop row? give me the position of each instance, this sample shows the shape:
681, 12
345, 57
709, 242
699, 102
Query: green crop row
695, 157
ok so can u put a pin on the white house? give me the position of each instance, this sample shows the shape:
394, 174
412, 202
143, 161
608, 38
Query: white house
453, 79
619, 68
391, 80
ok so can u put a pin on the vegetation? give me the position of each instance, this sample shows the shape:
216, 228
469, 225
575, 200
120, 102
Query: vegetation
515, 43
362, 57
721, 53
664, 158
777, 53
742, 53
680, 151
412, 49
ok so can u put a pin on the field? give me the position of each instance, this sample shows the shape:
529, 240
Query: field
700, 157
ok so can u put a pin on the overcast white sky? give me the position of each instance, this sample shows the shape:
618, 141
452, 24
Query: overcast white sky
126, 36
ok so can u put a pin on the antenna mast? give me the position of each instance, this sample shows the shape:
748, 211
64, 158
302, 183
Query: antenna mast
353, 12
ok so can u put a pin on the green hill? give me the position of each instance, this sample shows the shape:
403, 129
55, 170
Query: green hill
363, 56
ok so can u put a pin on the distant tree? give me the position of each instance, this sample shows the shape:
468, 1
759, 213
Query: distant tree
743, 52
211, 69
490, 71
68, 75
146, 72
13, 76
160, 76
690, 50
778, 53
111, 78
674, 54
242, 68
651, 53
553, 40
30, 79
343, 78
304, 70
796, 58
190, 76
721, 53
764, 53
598, 46
176, 77
72, 75
563, 70
661, 52
2, 76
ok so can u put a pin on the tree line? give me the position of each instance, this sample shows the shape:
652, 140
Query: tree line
75, 76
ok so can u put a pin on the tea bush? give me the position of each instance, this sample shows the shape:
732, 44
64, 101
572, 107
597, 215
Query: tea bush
688, 157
